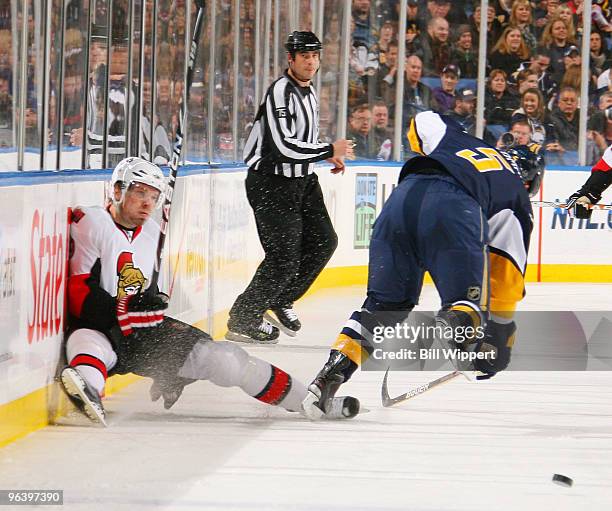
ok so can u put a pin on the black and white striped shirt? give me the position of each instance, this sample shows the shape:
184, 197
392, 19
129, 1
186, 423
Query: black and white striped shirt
284, 139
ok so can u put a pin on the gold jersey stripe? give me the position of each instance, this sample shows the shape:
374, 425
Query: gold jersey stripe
507, 285
413, 138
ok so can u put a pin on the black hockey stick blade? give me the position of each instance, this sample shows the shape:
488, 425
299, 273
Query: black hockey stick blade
390, 401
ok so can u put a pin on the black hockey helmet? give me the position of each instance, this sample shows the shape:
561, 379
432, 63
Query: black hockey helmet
302, 41
530, 166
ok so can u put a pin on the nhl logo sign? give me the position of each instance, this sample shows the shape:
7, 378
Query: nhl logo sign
473, 293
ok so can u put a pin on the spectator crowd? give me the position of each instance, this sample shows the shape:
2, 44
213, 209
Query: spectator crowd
533, 70
533, 75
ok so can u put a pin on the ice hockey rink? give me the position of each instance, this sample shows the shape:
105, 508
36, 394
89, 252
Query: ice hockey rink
491, 445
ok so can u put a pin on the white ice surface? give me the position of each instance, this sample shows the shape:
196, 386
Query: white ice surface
490, 446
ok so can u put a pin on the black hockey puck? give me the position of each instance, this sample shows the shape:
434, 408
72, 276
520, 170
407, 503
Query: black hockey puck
562, 480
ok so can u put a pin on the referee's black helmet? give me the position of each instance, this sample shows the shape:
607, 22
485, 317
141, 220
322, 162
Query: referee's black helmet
302, 41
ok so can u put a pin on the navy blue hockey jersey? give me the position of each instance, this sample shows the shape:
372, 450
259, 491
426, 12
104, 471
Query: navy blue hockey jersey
491, 177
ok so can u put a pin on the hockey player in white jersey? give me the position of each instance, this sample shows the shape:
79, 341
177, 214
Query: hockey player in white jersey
117, 323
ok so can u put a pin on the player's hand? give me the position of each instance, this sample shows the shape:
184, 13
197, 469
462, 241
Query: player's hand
143, 310
338, 165
578, 203
498, 341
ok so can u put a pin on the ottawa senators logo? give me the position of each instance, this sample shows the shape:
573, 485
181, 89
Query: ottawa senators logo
131, 280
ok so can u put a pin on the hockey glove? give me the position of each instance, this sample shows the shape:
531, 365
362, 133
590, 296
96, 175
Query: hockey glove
580, 202
498, 341
143, 310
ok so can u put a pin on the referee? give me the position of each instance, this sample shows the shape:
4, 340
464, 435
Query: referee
293, 224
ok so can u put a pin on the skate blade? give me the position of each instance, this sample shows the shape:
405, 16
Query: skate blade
272, 320
233, 336
74, 389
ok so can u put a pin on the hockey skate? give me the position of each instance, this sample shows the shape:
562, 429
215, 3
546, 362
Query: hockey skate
285, 319
321, 403
265, 333
83, 395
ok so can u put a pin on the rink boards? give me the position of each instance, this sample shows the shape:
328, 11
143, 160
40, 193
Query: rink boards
212, 251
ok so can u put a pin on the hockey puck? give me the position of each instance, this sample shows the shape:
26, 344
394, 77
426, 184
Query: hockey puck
562, 480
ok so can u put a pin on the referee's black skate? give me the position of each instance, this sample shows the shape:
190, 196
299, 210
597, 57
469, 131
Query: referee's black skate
264, 333
83, 395
321, 402
285, 319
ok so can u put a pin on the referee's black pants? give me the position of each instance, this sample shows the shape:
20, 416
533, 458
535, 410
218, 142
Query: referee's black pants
298, 239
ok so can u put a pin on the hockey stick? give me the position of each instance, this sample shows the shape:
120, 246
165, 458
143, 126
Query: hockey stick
390, 401
548, 204
178, 145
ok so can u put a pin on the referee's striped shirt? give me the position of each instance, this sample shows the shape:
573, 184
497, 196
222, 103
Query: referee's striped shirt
284, 139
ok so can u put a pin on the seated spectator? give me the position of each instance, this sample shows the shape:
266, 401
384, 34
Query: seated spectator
522, 18
533, 110
509, 52
6, 108
359, 129
381, 137
445, 95
414, 14
435, 9
548, 87
564, 12
413, 41
543, 14
463, 110
436, 46
526, 79
361, 64
363, 33
572, 77
417, 96
600, 55
565, 120
385, 77
494, 27
600, 123
499, 102
385, 39
503, 9
571, 57
556, 39
463, 52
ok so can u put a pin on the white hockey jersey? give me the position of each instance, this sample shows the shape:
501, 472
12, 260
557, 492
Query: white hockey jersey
107, 262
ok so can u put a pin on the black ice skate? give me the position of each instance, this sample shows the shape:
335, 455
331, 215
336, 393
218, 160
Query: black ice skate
321, 402
285, 319
83, 395
265, 333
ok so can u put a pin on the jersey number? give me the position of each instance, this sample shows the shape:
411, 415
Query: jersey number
485, 159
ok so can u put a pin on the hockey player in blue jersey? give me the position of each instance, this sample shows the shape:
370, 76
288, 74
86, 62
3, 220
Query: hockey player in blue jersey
461, 211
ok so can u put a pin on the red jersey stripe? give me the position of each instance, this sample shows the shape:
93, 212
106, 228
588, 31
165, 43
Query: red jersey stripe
84, 359
277, 387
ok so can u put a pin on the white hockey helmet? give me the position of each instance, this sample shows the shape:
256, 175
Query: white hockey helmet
137, 170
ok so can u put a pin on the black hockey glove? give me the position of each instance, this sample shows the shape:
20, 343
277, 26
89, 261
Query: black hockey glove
580, 201
498, 341
143, 310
